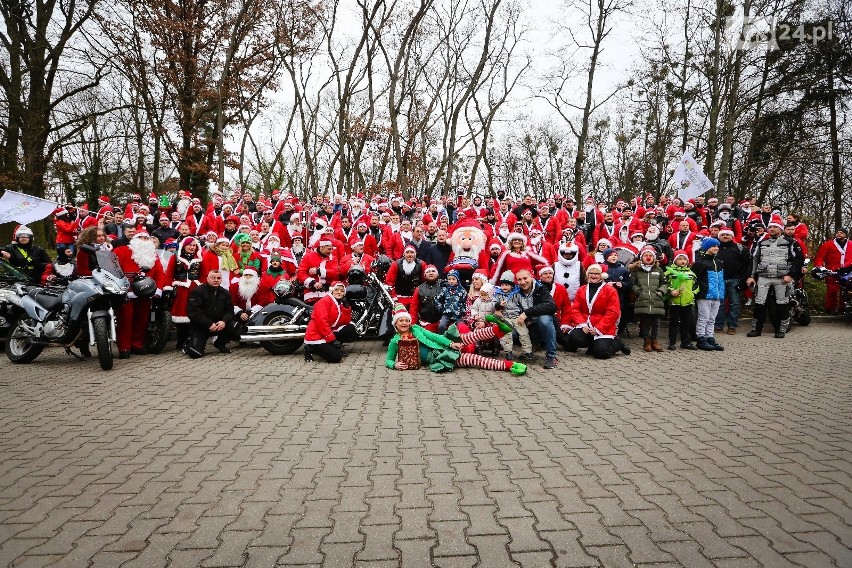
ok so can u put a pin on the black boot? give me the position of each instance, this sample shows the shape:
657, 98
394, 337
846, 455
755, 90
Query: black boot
757, 320
308, 355
182, 334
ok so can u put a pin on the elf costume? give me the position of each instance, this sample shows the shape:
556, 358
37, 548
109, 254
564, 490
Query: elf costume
416, 345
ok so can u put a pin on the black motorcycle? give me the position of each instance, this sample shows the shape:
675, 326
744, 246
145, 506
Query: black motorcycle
844, 277
280, 327
160, 324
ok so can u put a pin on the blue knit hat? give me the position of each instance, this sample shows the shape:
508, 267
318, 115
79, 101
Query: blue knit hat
608, 252
455, 273
708, 242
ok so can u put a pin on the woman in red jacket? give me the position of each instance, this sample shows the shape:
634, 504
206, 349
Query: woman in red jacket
594, 317
330, 326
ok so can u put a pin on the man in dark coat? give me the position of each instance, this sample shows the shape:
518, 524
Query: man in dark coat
24, 255
210, 311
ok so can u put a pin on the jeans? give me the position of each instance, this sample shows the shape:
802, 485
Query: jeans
731, 312
543, 331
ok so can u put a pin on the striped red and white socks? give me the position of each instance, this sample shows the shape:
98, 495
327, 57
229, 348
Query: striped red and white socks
480, 362
481, 334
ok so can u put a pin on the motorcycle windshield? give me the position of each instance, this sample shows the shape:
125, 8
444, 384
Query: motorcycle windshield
108, 262
12, 274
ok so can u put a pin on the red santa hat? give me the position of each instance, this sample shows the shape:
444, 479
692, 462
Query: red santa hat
164, 216
409, 247
335, 284
679, 252
648, 248
103, 198
60, 211
248, 271
480, 273
152, 196
726, 231
495, 245
324, 243
545, 269
223, 240
432, 268
516, 236
776, 221
606, 241
678, 212
399, 312
141, 235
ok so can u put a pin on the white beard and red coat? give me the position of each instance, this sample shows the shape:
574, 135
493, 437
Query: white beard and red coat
251, 294
137, 256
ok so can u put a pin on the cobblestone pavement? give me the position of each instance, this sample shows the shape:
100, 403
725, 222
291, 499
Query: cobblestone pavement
666, 459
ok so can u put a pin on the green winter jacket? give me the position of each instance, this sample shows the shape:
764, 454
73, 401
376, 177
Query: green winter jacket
650, 289
683, 279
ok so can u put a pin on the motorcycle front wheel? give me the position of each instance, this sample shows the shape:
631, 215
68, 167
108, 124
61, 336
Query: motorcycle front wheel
159, 333
101, 328
19, 347
285, 346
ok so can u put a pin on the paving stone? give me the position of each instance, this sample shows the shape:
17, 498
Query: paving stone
360, 466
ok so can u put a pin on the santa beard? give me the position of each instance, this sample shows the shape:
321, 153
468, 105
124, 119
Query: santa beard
297, 249
143, 252
248, 287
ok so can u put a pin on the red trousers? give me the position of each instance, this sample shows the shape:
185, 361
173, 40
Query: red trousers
832, 294
133, 324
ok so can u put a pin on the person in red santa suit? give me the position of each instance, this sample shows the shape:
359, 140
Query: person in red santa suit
184, 273
540, 246
139, 257
318, 268
357, 257
220, 257
593, 319
250, 294
833, 254
559, 293
683, 239
330, 326
517, 257
362, 234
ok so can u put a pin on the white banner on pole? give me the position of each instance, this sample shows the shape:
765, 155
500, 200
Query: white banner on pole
689, 178
23, 208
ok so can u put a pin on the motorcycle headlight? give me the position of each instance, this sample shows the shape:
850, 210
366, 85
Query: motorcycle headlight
112, 287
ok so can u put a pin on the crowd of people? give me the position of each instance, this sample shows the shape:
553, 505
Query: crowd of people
470, 276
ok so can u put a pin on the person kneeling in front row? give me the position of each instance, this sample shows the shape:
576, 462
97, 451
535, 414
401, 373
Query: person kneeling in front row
211, 312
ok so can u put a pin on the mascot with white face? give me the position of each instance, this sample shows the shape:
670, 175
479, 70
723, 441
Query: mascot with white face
568, 268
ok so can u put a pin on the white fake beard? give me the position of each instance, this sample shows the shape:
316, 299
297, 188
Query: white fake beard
535, 240
143, 252
298, 249
504, 233
407, 235
64, 269
248, 287
408, 267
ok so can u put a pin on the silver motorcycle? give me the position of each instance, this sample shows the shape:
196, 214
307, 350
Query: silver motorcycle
82, 311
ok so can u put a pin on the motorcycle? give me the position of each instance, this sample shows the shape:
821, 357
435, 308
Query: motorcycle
160, 325
84, 310
9, 276
844, 277
280, 327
